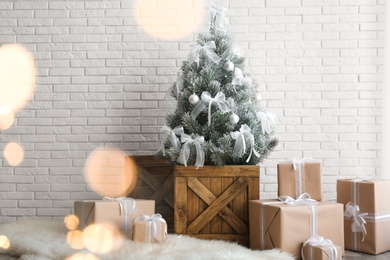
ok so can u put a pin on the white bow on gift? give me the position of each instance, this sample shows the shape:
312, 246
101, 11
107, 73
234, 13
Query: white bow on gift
240, 145
127, 206
185, 150
153, 230
171, 134
179, 83
208, 48
207, 100
358, 221
219, 16
321, 242
267, 120
303, 199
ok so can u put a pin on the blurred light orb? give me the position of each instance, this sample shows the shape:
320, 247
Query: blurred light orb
7, 118
17, 76
13, 153
110, 172
75, 239
170, 19
4, 242
82, 256
102, 238
71, 222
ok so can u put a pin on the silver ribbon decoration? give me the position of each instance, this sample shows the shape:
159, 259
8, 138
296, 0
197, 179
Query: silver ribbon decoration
267, 121
171, 134
219, 17
208, 48
155, 223
239, 79
303, 199
300, 174
179, 83
358, 221
127, 207
240, 145
185, 150
320, 242
207, 100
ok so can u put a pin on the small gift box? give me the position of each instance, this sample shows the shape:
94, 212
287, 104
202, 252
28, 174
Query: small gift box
119, 212
150, 229
318, 248
300, 176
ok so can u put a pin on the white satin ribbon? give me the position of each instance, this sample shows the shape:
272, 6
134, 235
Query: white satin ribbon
207, 100
320, 242
208, 48
185, 150
239, 78
303, 199
267, 121
171, 134
219, 17
128, 206
155, 223
179, 83
299, 169
358, 221
240, 145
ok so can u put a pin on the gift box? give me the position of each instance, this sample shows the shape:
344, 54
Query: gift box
367, 214
119, 212
317, 252
150, 229
299, 176
275, 224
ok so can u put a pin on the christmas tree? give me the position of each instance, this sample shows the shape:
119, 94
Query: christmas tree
218, 119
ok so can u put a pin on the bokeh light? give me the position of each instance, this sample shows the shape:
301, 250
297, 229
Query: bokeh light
82, 256
17, 77
72, 222
4, 242
75, 239
110, 172
102, 238
13, 153
7, 118
170, 19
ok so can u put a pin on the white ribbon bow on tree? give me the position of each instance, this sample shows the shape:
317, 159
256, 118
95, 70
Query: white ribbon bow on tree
239, 79
219, 17
127, 206
179, 83
267, 121
303, 199
153, 230
172, 136
207, 100
208, 48
240, 145
358, 221
320, 242
185, 150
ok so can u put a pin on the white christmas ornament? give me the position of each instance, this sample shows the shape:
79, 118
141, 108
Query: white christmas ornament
234, 119
193, 99
228, 66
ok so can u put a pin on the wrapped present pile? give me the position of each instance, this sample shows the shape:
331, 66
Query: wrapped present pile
136, 218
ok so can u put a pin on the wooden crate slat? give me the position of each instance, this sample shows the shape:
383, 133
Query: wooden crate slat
180, 205
160, 193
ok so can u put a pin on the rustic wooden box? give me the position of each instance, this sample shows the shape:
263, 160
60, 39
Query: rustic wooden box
212, 202
155, 182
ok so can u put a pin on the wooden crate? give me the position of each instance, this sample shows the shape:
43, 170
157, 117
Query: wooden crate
212, 202
155, 182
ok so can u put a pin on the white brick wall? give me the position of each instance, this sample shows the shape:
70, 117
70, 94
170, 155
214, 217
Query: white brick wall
102, 80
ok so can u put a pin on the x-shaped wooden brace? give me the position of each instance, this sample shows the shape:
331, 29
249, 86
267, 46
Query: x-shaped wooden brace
217, 206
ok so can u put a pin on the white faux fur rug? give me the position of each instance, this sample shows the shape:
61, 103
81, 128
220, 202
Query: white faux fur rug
44, 240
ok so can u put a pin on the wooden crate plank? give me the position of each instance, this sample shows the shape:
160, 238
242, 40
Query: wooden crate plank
227, 171
226, 228
216, 189
181, 205
202, 205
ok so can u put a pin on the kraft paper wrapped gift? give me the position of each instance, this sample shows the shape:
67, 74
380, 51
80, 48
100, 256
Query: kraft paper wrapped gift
274, 224
367, 214
311, 252
150, 229
299, 176
120, 213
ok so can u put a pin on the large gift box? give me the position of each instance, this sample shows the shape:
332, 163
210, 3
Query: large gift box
300, 176
120, 213
150, 229
367, 214
316, 252
275, 224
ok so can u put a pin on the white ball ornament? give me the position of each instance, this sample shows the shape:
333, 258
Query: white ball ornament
234, 119
228, 66
193, 99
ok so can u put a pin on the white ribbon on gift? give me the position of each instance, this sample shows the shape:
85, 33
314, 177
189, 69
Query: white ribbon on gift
207, 100
358, 221
303, 199
320, 242
171, 134
240, 145
154, 228
208, 48
300, 174
219, 17
179, 83
267, 121
127, 207
185, 150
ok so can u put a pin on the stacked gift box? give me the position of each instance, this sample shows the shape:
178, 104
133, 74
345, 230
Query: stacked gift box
302, 223
134, 217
